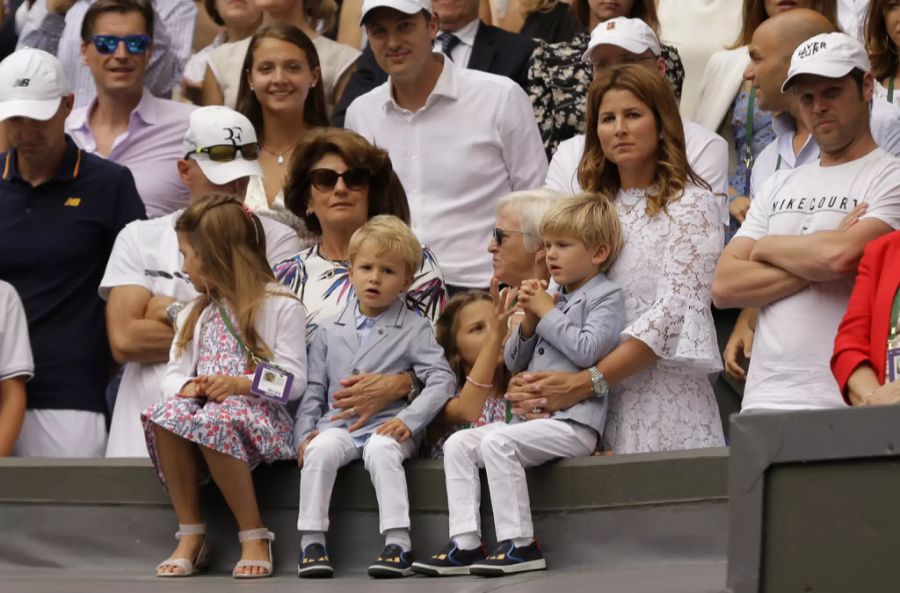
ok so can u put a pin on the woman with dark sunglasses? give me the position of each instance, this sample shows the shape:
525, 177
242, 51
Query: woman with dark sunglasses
337, 181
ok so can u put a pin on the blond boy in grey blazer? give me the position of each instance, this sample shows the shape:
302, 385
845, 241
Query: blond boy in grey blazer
582, 237
374, 333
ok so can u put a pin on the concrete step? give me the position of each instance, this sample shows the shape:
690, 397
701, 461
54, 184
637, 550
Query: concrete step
592, 513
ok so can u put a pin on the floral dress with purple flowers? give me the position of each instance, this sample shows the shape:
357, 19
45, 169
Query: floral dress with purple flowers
251, 429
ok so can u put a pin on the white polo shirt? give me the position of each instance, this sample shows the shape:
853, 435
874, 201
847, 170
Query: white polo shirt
474, 141
15, 347
794, 339
707, 153
884, 122
146, 254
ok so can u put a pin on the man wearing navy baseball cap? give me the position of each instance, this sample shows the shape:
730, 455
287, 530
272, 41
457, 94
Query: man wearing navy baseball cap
60, 213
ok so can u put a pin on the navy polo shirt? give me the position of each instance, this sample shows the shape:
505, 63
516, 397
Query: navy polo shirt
55, 240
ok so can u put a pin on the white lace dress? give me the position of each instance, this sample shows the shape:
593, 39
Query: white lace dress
665, 270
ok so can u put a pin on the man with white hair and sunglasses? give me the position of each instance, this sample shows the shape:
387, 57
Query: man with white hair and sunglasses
144, 286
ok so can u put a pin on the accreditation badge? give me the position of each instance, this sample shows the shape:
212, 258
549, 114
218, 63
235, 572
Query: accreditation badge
271, 382
892, 371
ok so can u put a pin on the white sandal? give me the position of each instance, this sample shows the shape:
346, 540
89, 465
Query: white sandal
188, 568
250, 535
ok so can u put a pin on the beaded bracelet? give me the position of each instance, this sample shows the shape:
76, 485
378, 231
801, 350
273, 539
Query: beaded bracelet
477, 384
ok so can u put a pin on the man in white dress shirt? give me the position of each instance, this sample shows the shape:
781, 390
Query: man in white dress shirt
144, 286
797, 252
631, 41
459, 139
55, 27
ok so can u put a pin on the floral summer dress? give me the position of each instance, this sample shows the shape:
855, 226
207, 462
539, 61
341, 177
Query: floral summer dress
763, 135
251, 429
496, 409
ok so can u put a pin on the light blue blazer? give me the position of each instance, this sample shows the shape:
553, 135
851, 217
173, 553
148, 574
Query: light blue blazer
400, 341
572, 337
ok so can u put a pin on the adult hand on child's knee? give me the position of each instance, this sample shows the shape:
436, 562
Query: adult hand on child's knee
366, 394
395, 428
301, 450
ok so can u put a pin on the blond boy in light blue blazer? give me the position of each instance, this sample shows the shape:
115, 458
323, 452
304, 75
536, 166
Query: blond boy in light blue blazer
582, 237
374, 333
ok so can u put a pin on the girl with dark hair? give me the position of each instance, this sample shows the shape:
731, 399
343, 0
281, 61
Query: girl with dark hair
661, 398
882, 39
241, 331
281, 94
558, 78
220, 86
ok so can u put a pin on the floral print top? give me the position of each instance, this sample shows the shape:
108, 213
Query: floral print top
324, 286
763, 135
558, 82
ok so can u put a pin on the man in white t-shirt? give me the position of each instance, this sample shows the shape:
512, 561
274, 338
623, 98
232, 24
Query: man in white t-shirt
796, 253
16, 366
459, 139
631, 41
144, 285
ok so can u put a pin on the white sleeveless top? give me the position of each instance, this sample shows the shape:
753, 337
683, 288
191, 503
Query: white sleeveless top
226, 62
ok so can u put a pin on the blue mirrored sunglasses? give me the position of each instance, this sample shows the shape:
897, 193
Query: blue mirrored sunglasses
134, 44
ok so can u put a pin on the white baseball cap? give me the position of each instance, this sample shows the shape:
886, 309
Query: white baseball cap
633, 35
405, 6
214, 126
32, 82
831, 55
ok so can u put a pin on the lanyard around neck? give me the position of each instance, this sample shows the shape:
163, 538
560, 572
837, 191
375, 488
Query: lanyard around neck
228, 325
891, 89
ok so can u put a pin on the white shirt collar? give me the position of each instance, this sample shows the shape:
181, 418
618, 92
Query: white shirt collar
447, 85
467, 34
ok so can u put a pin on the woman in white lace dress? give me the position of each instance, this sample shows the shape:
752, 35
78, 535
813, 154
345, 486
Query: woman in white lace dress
660, 396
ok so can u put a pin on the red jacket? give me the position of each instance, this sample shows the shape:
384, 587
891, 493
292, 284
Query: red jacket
863, 333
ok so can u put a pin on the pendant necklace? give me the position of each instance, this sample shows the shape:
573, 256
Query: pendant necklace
279, 158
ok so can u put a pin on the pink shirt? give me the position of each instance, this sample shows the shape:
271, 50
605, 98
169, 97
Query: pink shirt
149, 148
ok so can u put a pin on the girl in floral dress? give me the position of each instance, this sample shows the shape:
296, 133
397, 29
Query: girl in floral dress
472, 330
213, 420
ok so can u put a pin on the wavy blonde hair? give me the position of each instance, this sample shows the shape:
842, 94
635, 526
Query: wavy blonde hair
231, 245
673, 172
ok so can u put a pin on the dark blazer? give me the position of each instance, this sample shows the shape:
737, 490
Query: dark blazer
494, 50
863, 334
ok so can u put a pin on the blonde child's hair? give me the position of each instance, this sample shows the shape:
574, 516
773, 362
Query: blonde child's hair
588, 217
393, 238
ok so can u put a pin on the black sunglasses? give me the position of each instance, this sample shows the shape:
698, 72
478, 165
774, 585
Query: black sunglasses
326, 179
224, 153
134, 44
501, 234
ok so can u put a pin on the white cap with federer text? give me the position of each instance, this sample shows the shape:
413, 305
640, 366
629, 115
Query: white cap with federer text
633, 35
216, 125
32, 82
404, 6
832, 55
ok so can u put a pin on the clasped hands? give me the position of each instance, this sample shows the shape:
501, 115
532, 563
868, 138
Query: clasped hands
216, 387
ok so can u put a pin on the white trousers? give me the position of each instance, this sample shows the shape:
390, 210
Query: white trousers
504, 451
334, 448
61, 433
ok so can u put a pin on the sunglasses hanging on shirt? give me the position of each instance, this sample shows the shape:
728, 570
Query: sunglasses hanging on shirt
134, 44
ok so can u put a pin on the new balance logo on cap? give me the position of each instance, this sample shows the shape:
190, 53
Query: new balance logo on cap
21, 82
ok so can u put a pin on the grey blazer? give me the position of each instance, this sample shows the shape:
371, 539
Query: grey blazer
400, 341
581, 330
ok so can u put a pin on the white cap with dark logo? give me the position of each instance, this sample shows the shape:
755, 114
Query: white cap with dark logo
632, 35
32, 82
404, 6
832, 55
217, 125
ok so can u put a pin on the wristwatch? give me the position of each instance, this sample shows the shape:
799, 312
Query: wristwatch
598, 383
172, 312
